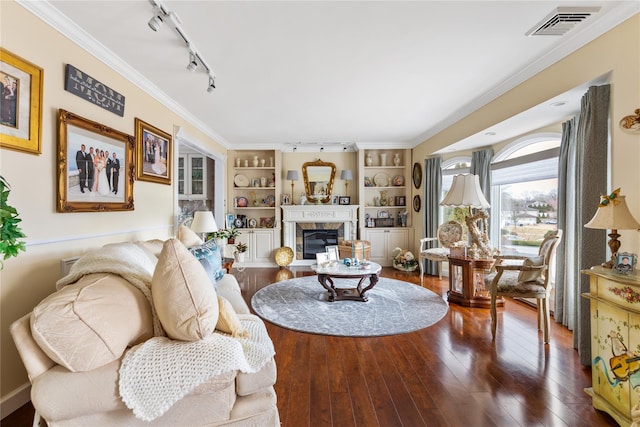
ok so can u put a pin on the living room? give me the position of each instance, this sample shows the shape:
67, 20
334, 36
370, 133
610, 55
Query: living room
52, 236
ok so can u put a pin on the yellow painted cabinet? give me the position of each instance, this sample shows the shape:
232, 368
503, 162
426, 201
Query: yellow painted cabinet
615, 343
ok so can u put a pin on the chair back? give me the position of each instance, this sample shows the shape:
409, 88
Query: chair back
449, 233
547, 248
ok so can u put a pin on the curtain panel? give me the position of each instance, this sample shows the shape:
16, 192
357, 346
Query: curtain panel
582, 176
432, 195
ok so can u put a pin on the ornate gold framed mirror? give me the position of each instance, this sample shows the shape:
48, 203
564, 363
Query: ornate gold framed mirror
318, 180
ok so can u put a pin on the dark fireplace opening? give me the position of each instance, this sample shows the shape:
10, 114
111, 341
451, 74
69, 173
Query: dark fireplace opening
314, 241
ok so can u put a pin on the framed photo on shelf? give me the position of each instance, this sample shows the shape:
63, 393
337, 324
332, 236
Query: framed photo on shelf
86, 181
334, 200
286, 199
344, 200
400, 201
153, 153
21, 118
625, 263
230, 220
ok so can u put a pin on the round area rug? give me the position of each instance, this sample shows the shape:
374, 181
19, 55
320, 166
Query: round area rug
394, 307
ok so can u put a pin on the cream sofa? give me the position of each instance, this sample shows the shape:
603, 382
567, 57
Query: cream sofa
72, 390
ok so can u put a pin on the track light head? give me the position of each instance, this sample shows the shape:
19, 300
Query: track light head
212, 84
156, 20
321, 149
193, 64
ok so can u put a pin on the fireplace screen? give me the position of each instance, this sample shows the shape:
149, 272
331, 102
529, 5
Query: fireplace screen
314, 241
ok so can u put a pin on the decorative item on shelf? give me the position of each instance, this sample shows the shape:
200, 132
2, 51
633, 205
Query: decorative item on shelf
241, 202
383, 198
613, 213
238, 162
402, 218
383, 159
255, 161
369, 159
293, 176
267, 222
400, 201
246, 163
240, 180
396, 159
263, 181
262, 162
398, 181
270, 162
404, 260
347, 175
253, 223
270, 200
465, 192
204, 223
367, 181
381, 179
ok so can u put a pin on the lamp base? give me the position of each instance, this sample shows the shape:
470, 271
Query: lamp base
614, 246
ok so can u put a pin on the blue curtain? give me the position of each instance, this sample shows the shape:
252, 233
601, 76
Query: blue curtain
432, 195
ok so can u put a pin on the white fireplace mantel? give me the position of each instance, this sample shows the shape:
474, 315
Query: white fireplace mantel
295, 214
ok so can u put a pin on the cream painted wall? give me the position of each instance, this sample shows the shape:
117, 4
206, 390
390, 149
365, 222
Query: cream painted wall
294, 161
52, 236
615, 52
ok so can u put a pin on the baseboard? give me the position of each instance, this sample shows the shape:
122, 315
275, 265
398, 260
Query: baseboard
16, 399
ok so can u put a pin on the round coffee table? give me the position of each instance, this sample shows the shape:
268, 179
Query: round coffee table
326, 276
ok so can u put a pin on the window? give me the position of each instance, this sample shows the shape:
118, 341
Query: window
524, 193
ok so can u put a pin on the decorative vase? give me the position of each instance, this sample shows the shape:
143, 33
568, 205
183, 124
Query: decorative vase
383, 159
262, 162
246, 163
369, 159
237, 162
263, 181
270, 162
255, 161
396, 159
239, 256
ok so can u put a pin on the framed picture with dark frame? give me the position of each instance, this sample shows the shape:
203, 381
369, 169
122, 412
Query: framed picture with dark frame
400, 201
95, 165
625, 263
21, 114
344, 200
153, 153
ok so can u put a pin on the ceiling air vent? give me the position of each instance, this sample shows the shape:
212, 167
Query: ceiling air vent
561, 20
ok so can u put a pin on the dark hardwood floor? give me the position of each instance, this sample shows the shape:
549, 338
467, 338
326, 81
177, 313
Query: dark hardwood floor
450, 374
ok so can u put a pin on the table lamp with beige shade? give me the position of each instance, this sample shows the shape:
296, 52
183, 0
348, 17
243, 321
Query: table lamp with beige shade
465, 192
613, 213
204, 223
346, 175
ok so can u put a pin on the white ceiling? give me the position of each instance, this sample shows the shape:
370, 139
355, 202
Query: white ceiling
371, 72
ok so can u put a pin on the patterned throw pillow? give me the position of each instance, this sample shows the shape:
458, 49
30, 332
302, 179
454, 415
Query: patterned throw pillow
210, 257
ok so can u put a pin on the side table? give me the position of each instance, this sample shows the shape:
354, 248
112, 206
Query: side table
466, 282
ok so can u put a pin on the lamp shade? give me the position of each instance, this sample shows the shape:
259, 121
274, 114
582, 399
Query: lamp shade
465, 192
203, 222
613, 216
292, 175
346, 174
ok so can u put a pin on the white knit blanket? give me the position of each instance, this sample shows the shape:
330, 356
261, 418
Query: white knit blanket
159, 372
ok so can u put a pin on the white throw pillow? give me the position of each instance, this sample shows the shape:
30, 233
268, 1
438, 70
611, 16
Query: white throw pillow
531, 275
228, 320
90, 323
184, 299
188, 237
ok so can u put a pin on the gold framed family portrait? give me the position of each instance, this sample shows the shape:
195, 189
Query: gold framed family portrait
95, 166
21, 84
153, 153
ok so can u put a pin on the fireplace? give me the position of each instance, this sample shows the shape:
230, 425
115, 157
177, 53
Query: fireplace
314, 241
296, 218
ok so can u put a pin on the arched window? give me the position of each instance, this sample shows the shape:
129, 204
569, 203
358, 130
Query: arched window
524, 178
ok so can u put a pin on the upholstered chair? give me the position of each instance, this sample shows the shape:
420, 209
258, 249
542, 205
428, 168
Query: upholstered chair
448, 233
525, 277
